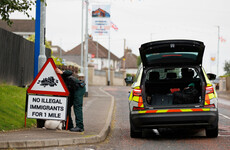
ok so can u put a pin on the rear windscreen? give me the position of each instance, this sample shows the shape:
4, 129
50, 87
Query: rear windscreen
171, 57
171, 73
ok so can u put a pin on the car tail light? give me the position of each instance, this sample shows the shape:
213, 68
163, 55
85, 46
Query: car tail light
209, 89
137, 92
210, 106
138, 108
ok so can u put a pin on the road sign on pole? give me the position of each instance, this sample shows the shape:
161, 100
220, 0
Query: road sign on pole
48, 81
52, 104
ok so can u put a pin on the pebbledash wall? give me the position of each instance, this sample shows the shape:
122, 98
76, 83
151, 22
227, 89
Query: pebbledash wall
100, 77
224, 84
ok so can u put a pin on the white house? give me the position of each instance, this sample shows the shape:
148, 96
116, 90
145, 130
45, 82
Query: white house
97, 56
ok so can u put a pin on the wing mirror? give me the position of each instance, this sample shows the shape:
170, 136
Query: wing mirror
211, 76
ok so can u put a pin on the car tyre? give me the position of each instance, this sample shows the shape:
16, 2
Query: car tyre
212, 133
134, 134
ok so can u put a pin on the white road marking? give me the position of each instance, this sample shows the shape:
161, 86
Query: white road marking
224, 116
223, 135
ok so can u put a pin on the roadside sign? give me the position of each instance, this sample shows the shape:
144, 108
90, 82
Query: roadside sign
48, 81
47, 107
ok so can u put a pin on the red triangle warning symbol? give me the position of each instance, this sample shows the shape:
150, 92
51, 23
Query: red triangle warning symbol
48, 81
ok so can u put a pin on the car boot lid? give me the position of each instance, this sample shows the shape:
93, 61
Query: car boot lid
172, 52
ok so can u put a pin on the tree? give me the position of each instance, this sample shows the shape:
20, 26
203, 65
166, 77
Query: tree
10, 6
32, 39
227, 67
57, 60
138, 60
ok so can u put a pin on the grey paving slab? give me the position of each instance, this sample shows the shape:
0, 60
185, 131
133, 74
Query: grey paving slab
97, 112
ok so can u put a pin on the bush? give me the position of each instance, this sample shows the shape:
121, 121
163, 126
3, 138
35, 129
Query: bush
227, 67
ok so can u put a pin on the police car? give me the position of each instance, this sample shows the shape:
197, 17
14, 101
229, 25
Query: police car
172, 90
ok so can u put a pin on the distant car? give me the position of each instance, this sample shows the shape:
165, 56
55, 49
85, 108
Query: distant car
128, 80
172, 89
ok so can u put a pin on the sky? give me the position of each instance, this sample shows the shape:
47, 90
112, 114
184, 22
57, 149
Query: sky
141, 21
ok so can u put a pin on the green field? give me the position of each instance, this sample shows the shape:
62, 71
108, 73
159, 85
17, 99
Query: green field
12, 108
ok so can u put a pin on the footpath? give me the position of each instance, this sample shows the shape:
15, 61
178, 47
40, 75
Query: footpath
97, 115
224, 94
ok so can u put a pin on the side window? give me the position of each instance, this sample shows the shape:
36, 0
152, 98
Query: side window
138, 73
188, 72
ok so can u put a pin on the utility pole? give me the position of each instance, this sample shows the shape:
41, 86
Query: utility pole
218, 47
97, 55
42, 56
60, 50
124, 55
82, 57
151, 35
86, 48
109, 63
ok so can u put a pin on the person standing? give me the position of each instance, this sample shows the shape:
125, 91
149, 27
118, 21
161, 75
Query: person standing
77, 89
78, 103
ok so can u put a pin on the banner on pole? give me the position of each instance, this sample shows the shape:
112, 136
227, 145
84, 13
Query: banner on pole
101, 20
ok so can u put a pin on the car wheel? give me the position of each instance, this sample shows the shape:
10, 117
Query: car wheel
134, 134
212, 133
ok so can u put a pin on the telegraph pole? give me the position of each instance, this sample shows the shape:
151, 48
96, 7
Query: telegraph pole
124, 55
86, 48
218, 47
109, 62
82, 57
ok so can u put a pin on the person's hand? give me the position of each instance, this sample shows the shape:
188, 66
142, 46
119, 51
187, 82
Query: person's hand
57, 70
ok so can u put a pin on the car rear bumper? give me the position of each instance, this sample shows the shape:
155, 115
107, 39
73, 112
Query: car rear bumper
182, 119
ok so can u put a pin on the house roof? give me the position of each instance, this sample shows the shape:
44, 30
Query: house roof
130, 59
19, 25
56, 50
92, 49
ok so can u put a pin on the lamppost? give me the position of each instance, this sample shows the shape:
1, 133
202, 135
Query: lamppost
86, 48
151, 36
39, 49
218, 47
82, 56
42, 56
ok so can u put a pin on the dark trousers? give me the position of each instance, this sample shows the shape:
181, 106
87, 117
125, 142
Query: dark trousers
70, 124
77, 107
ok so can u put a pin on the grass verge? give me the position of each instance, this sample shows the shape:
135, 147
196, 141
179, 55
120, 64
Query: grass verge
12, 108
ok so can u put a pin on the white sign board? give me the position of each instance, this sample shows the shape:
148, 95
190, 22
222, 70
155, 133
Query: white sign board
47, 107
101, 20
